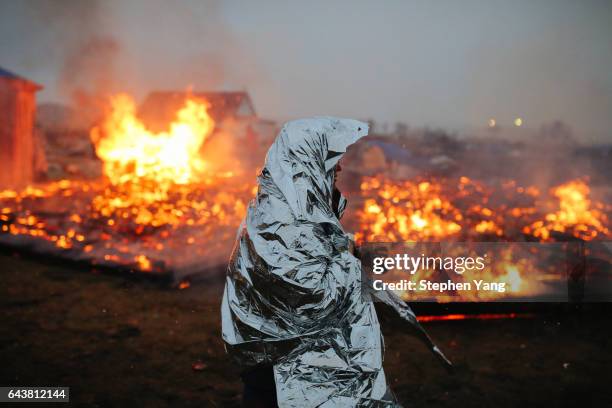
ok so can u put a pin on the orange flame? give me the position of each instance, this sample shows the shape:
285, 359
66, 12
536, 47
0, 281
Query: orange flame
482, 316
131, 152
575, 214
405, 211
158, 195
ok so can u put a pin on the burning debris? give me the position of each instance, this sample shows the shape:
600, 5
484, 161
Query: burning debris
468, 218
165, 205
576, 215
157, 208
469, 210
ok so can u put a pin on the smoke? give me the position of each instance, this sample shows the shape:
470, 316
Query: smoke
82, 51
89, 75
187, 43
68, 38
552, 77
432, 64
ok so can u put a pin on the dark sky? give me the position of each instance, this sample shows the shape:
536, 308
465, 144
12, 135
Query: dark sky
439, 63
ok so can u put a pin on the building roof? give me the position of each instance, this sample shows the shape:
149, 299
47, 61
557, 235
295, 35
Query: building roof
4, 73
7, 73
160, 107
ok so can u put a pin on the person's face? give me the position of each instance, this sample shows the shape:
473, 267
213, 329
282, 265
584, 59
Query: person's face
338, 170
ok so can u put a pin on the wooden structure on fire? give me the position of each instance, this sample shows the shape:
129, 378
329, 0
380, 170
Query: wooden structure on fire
160, 107
232, 111
17, 141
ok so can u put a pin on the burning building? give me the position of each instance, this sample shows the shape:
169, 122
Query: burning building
233, 112
162, 205
177, 174
159, 108
18, 144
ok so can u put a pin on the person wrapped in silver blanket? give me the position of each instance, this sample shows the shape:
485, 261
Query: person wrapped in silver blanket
293, 315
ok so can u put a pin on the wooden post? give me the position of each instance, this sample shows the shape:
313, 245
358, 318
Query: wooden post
17, 110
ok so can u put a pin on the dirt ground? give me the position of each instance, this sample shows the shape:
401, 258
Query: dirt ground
120, 342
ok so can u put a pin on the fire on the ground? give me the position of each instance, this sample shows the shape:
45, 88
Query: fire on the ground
161, 206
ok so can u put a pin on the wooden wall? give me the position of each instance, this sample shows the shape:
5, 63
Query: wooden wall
17, 110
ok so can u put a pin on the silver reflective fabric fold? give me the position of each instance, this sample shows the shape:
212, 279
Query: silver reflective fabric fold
292, 297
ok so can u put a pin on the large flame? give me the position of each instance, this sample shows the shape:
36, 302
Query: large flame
147, 168
159, 199
576, 214
131, 152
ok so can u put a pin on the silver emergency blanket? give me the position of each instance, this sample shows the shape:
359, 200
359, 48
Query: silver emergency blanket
293, 290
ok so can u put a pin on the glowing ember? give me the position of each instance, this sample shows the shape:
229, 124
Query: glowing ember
157, 198
160, 206
522, 269
482, 316
488, 227
576, 214
464, 210
443, 210
405, 211
143, 262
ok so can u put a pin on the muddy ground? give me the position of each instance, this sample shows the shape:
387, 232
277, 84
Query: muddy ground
120, 342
